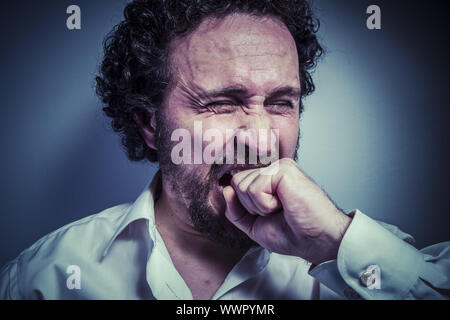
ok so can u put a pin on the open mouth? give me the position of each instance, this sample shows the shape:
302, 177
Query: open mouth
225, 180
227, 175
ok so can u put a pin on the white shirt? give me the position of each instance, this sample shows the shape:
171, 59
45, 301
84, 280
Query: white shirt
119, 254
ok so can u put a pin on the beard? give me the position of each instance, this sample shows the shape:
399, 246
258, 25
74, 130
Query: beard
211, 222
196, 190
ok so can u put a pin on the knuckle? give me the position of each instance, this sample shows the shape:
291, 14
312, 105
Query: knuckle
242, 188
287, 161
289, 166
269, 206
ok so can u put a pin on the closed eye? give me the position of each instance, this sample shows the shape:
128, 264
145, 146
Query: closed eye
223, 106
228, 106
282, 106
286, 103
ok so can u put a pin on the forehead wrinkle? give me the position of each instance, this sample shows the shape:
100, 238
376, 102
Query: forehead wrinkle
196, 57
237, 37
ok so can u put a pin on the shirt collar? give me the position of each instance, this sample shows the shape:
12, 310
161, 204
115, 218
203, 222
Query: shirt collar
142, 208
252, 263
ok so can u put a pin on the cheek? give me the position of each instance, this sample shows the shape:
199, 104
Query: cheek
288, 136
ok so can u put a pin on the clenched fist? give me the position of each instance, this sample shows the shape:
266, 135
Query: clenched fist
286, 212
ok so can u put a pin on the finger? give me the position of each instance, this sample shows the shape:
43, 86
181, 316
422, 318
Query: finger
240, 176
240, 186
236, 213
287, 181
263, 197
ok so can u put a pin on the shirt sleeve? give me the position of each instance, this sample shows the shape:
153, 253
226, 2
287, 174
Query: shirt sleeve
9, 287
377, 261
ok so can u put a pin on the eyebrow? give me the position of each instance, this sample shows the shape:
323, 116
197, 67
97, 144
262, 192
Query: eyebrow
287, 91
241, 91
234, 90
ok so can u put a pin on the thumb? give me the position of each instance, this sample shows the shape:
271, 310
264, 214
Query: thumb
236, 213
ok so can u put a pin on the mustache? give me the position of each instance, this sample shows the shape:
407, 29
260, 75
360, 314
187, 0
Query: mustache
218, 169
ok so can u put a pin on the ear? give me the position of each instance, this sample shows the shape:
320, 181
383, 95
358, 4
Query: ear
147, 126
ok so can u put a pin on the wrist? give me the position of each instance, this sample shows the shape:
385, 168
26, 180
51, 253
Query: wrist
334, 238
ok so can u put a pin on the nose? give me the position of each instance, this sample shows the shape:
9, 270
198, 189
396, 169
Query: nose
256, 134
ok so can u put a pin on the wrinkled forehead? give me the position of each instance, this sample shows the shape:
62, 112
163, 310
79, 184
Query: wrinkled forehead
238, 43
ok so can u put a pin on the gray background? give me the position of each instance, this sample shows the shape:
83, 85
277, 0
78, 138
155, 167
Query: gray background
374, 135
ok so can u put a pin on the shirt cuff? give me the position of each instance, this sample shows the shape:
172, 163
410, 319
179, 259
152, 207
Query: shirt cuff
368, 244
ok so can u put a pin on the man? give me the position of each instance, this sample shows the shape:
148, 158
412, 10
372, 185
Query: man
221, 229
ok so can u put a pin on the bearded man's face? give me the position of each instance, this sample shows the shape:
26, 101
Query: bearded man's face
235, 74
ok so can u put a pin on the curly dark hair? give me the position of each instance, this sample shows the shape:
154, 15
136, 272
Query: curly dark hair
135, 74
